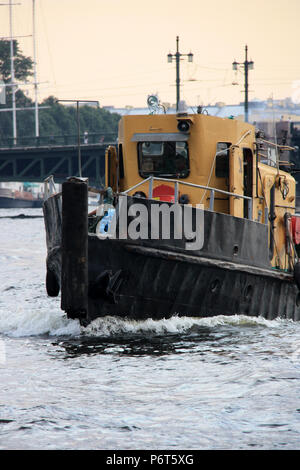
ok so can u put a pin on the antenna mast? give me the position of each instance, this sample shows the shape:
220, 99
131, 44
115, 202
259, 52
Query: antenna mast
12, 75
36, 105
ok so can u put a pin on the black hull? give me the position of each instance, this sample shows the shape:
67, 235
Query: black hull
153, 280
11, 203
147, 283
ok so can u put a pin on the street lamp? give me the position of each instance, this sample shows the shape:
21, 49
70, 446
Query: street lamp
247, 65
78, 126
177, 57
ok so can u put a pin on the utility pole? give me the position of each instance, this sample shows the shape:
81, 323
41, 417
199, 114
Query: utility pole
247, 65
36, 105
177, 57
12, 75
13, 85
78, 126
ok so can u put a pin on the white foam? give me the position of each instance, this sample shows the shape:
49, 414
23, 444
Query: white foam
40, 321
109, 326
48, 319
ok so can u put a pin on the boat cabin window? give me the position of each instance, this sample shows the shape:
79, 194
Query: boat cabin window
166, 159
222, 160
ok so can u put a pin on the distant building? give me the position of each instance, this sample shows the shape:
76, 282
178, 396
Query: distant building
277, 110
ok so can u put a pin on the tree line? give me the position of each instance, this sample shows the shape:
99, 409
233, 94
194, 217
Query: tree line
57, 122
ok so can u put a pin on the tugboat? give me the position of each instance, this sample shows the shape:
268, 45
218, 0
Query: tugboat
197, 218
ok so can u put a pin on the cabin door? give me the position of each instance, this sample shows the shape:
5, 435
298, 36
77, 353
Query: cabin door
236, 181
248, 178
112, 168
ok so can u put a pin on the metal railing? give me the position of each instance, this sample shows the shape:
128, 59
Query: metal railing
49, 187
58, 140
151, 179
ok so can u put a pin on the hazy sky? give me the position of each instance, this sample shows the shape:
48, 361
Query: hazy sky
115, 51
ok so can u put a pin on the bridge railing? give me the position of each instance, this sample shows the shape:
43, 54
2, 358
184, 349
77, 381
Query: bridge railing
58, 140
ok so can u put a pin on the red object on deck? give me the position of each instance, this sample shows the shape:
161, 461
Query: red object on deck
23, 195
296, 229
164, 193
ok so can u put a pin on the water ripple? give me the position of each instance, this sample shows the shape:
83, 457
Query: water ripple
211, 383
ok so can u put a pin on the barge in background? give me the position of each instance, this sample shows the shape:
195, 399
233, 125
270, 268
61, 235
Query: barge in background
24, 198
246, 262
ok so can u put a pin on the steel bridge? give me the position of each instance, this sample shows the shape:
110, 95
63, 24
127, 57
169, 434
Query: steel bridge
41, 158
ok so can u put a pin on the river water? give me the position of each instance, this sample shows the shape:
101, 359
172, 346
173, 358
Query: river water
183, 383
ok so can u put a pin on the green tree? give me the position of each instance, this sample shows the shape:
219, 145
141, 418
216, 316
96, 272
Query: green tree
23, 70
55, 119
23, 66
